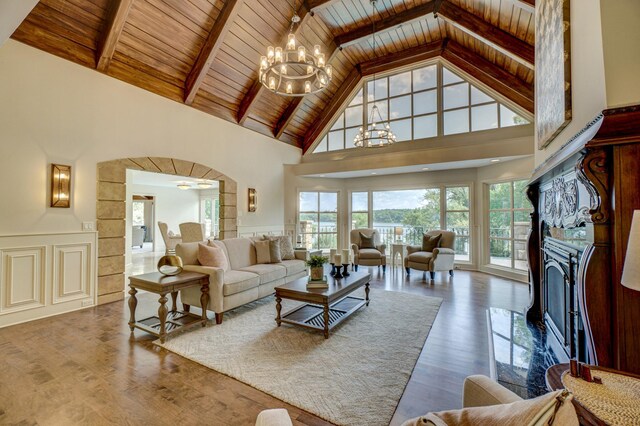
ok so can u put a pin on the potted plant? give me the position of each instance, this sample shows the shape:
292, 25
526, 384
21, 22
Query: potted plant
315, 264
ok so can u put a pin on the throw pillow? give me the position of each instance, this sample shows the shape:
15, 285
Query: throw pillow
263, 254
274, 251
286, 247
367, 242
212, 256
429, 242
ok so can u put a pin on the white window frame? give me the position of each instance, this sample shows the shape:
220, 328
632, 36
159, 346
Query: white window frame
338, 215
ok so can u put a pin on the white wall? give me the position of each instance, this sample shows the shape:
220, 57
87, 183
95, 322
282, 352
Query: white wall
12, 13
587, 73
474, 177
172, 205
52, 110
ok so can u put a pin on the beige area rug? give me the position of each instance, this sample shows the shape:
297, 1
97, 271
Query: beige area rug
356, 377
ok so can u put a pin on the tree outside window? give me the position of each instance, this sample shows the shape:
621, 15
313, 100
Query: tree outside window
509, 223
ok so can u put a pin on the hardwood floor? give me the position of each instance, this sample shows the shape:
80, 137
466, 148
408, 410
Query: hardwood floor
86, 367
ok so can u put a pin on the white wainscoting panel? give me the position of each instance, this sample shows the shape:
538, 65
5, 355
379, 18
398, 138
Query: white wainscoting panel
46, 274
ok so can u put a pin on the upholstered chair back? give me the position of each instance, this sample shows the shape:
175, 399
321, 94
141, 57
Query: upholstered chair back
164, 230
447, 240
192, 232
355, 235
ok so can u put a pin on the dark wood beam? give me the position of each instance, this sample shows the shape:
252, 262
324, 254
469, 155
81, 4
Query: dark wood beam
118, 13
506, 84
210, 49
385, 24
257, 87
404, 57
350, 83
484, 31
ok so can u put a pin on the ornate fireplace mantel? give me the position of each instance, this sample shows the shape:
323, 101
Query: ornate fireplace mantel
586, 194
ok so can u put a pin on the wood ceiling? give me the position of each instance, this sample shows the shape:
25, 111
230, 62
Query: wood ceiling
205, 53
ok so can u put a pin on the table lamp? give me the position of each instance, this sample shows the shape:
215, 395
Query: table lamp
398, 230
631, 269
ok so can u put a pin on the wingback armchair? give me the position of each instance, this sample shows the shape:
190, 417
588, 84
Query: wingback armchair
440, 258
368, 256
192, 232
170, 239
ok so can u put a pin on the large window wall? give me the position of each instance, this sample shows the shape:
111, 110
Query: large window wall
318, 219
508, 224
422, 103
416, 211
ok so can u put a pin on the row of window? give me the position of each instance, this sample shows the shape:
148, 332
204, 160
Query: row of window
417, 211
410, 101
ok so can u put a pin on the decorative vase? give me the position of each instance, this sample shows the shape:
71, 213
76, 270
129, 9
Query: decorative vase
317, 273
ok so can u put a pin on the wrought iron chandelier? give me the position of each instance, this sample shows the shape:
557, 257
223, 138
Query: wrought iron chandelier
377, 133
294, 70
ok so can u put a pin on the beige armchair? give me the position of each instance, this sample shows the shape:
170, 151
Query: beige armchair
368, 256
171, 240
192, 232
440, 259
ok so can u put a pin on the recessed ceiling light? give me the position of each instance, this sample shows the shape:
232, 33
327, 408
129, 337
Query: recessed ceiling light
495, 160
373, 173
322, 175
204, 185
184, 186
425, 168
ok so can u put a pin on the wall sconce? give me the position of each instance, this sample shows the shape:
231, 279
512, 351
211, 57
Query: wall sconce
253, 200
60, 186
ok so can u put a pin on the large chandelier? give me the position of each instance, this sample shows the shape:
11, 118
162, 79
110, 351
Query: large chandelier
377, 133
294, 70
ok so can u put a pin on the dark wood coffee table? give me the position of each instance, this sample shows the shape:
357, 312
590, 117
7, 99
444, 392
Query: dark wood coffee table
325, 308
167, 321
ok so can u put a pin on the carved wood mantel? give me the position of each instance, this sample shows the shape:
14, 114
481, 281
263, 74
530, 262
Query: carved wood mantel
604, 162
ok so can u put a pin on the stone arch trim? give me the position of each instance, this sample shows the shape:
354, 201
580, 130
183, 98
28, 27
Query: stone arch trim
111, 212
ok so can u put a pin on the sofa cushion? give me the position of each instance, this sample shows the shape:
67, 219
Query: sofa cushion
420, 257
429, 242
267, 273
293, 266
239, 281
212, 256
367, 242
369, 253
286, 248
240, 252
263, 255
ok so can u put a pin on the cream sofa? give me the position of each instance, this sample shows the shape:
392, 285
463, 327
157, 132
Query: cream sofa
244, 281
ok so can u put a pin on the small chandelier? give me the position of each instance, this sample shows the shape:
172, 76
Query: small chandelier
294, 70
373, 136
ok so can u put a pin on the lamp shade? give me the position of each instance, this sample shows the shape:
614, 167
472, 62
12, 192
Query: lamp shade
631, 269
398, 231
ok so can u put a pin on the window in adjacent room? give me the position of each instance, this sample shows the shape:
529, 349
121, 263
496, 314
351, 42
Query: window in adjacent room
509, 224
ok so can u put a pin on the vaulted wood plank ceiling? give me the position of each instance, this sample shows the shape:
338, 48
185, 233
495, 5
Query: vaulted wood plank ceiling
204, 53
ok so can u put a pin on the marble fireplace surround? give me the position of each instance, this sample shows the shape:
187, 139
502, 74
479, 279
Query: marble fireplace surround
111, 212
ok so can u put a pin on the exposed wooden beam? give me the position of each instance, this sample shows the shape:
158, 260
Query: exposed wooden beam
484, 31
118, 13
210, 49
385, 24
349, 84
404, 57
528, 5
257, 87
506, 84
312, 5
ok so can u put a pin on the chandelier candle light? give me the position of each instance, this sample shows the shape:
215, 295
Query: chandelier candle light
294, 70
375, 134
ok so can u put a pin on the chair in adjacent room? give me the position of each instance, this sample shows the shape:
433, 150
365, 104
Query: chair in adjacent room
441, 257
367, 249
137, 236
171, 240
192, 232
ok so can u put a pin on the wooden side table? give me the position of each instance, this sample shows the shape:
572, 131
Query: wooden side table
167, 321
585, 416
397, 249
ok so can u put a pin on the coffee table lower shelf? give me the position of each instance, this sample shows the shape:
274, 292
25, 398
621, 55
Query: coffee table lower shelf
311, 315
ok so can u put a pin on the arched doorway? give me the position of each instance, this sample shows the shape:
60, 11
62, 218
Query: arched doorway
111, 212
